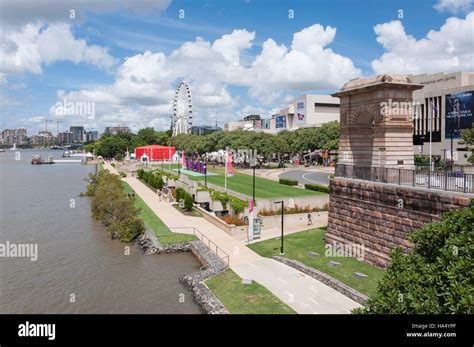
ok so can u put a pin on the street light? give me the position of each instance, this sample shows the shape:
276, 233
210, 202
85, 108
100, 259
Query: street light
282, 214
162, 161
253, 189
205, 173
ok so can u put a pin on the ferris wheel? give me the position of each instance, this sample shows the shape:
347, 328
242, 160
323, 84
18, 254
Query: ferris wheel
182, 120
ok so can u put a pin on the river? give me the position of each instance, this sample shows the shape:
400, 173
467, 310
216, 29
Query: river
79, 268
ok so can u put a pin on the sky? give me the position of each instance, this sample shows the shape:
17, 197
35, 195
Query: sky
118, 62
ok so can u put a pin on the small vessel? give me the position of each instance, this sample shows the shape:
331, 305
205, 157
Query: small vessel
66, 154
2, 150
13, 148
37, 160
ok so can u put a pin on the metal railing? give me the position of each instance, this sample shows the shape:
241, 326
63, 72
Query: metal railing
440, 180
203, 238
212, 246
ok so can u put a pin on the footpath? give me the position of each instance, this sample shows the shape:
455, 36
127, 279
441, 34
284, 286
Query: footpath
304, 294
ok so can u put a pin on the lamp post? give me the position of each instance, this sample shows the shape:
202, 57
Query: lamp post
205, 173
282, 214
162, 161
253, 189
179, 163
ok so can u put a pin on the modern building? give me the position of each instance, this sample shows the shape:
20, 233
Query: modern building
117, 130
14, 136
447, 102
204, 129
65, 138
92, 135
77, 134
43, 139
307, 111
154, 153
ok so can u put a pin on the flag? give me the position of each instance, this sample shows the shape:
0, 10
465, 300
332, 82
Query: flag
250, 206
229, 165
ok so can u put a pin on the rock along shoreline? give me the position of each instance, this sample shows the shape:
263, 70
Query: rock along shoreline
211, 266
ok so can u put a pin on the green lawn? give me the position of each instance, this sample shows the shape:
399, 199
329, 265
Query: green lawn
155, 224
298, 245
264, 188
241, 298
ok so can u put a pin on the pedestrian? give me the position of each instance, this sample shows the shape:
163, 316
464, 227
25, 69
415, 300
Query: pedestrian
310, 221
159, 194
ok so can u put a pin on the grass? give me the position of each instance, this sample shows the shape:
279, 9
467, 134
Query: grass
241, 298
155, 224
298, 245
264, 188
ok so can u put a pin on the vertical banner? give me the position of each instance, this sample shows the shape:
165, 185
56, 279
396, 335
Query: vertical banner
300, 113
459, 113
250, 218
183, 158
229, 164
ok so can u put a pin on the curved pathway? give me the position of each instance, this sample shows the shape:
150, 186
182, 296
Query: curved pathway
302, 293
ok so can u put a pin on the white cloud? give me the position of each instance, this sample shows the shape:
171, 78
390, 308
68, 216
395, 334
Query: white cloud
144, 84
308, 65
449, 49
454, 6
35, 45
230, 46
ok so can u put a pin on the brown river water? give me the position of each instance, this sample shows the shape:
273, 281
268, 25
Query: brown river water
79, 268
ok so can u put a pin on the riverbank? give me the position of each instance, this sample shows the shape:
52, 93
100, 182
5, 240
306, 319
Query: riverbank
79, 270
249, 265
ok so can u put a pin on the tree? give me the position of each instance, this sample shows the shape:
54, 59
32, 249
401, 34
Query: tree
467, 136
147, 135
437, 277
111, 205
110, 146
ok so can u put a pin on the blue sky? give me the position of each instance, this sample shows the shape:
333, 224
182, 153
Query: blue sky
100, 55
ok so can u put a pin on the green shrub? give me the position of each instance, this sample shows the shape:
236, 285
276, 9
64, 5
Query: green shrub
317, 187
237, 204
188, 201
437, 277
288, 182
179, 194
113, 207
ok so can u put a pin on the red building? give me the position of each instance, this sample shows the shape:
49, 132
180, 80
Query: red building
155, 152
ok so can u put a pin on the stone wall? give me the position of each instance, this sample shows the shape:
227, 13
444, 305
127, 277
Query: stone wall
381, 216
212, 265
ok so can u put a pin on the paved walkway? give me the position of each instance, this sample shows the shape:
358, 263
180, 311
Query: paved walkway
302, 293
320, 219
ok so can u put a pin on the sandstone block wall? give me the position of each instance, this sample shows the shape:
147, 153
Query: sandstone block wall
381, 217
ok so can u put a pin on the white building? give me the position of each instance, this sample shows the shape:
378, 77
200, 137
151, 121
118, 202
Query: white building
447, 98
307, 111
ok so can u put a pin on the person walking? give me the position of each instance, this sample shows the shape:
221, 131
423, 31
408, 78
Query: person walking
310, 221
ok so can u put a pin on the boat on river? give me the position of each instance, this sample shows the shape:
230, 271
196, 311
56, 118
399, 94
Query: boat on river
38, 159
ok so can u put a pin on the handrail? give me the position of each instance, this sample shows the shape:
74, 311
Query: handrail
439, 180
225, 258
204, 239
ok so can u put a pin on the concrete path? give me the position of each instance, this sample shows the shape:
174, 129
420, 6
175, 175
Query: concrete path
320, 219
302, 293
